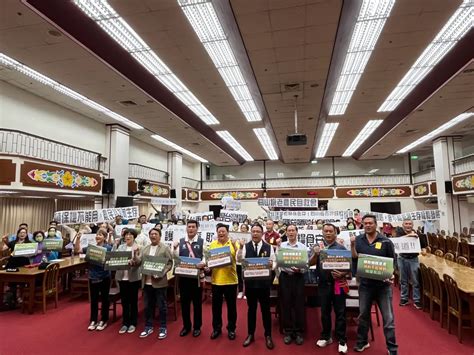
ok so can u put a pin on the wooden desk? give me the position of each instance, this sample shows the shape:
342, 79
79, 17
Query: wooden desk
29, 275
463, 275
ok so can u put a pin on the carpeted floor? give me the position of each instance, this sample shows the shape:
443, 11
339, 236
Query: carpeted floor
64, 331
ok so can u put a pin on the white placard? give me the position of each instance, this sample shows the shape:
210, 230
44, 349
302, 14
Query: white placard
293, 202
173, 234
163, 201
229, 203
233, 216
87, 239
95, 216
406, 245
344, 238
200, 215
310, 238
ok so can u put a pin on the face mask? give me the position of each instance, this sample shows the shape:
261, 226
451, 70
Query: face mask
320, 226
39, 238
51, 234
351, 227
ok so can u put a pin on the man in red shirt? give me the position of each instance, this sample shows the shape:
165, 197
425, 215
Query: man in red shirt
271, 236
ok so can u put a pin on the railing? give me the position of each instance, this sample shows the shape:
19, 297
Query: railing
373, 180
299, 182
232, 184
191, 183
13, 142
463, 164
137, 171
424, 175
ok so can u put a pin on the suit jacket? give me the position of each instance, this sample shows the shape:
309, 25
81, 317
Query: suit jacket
134, 273
163, 251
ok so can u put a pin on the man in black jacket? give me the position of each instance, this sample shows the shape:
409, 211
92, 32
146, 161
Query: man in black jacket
258, 291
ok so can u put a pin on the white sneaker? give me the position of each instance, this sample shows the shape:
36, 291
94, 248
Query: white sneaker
342, 349
101, 326
131, 329
240, 295
123, 329
92, 326
322, 343
163, 333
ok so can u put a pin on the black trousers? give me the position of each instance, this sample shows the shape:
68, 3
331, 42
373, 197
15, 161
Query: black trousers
255, 296
292, 302
329, 301
240, 278
99, 291
229, 292
190, 292
129, 299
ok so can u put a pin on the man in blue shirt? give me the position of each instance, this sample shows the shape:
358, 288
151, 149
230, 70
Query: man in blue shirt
373, 243
331, 293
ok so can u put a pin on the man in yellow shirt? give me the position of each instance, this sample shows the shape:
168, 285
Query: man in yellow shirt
224, 284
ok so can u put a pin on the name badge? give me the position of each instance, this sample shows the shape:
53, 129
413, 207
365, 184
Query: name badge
378, 245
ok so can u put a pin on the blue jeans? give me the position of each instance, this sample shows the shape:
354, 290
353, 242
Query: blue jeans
382, 295
152, 296
409, 270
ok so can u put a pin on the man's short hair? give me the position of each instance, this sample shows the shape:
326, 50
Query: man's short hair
156, 230
333, 226
292, 224
220, 225
258, 225
408, 219
369, 216
193, 221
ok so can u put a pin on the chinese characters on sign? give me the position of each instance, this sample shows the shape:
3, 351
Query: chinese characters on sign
95, 216
288, 202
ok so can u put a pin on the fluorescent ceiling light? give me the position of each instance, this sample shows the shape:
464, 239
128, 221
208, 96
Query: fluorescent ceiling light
178, 148
368, 129
458, 119
281, 175
33, 74
314, 173
326, 138
369, 26
373, 171
314, 162
225, 135
266, 143
74, 196
203, 18
117, 28
336, 172
456, 27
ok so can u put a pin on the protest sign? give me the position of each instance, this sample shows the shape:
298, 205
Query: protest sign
310, 238
219, 257
173, 234
374, 267
25, 249
95, 216
187, 267
201, 216
292, 202
53, 244
86, 240
154, 265
256, 268
117, 260
406, 245
233, 216
163, 201
96, 255
344, 238
334, 259
292, 257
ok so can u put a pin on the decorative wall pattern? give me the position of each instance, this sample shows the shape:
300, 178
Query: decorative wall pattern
396, 191
421, 190
463, 183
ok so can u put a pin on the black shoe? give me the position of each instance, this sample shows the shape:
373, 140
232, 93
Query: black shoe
184, 332
269, 343
299, 339
418, 305
287, 339
231, 335
249, 340
403, 302
196, 332
215, 334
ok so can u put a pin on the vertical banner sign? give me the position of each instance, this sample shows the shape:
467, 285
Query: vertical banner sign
406, 245
173, 234
374, 267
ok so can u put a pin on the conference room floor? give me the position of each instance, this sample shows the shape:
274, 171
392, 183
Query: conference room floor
63, 331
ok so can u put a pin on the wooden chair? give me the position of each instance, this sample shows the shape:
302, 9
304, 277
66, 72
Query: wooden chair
454, 246
464, 250
461, 260
449, 256
437, 295
455, 305
442, 244
426, 292
433, 242
79, 286
428, 249
439, 253
49, 288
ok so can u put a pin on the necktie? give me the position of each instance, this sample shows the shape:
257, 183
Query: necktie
256, 248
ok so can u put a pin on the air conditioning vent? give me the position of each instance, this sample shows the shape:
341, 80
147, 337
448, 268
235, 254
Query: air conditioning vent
127, 103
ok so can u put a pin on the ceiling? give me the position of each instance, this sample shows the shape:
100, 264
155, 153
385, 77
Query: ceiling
290, 46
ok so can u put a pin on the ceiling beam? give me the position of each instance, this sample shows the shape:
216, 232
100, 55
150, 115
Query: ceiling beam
347, 20
447, 68
88, 34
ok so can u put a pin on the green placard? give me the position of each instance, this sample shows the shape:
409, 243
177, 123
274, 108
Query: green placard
154, 265
374, 267
96, 255
292, 257
25, 249
118, 260
53, 244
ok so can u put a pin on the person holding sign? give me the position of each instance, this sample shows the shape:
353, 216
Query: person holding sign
408, 265
190, 290
258, 290
99, 282
291, 288
224, 283
373, 243
129, 282
156, 260
332, 291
